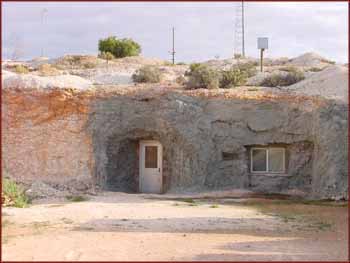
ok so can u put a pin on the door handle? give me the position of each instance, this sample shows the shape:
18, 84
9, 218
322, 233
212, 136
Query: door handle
158, 169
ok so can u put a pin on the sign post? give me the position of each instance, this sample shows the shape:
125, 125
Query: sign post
262, 45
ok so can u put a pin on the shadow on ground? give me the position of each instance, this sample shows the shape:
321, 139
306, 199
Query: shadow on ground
208, 225
291, 249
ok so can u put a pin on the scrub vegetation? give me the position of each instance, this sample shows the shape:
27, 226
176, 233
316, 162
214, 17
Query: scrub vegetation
13, 194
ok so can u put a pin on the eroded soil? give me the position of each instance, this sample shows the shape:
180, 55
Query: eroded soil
116, 226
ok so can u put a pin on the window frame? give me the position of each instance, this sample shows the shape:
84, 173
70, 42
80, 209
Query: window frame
267, 160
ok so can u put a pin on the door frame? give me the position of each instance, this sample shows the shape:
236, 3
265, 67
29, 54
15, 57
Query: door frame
142, 144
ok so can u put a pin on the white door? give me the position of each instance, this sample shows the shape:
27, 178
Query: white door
150, 180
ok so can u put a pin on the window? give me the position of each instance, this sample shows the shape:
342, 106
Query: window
151, 156
268, 159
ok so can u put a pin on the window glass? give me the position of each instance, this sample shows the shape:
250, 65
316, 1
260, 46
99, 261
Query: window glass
259, 160
276, 160
151, 157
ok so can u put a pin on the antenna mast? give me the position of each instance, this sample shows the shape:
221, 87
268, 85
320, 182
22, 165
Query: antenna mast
173, 52
239, 48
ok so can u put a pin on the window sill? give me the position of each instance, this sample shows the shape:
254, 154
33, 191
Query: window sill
270, 174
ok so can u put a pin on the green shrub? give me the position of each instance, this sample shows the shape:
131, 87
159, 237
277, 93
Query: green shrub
13, 195
193, 67
248, 67
233, 78
21, 69
180, 63
280, 80
147, 74
120, 48
202, 76
237, 75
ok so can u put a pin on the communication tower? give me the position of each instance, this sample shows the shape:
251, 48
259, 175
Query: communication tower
239, 50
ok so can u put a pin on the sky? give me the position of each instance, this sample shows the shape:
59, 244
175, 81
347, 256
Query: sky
203, 30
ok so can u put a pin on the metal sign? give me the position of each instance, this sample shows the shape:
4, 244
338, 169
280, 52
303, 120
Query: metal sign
263, 43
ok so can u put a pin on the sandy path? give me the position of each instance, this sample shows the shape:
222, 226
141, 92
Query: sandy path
130, 227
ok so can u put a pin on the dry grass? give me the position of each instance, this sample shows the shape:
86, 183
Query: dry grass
315, 69
21, 69
76, 198
46, 70
301, 212
76, 62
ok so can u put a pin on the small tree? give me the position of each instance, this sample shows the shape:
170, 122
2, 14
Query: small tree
119, 48
127, 47
107, 44
107, 56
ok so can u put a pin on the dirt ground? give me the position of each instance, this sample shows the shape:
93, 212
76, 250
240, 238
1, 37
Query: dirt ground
116, 226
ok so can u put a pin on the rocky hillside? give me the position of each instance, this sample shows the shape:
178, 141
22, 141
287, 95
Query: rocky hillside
322, 76
63, 127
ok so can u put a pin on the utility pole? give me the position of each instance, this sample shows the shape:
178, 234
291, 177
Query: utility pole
243, 49
43, 11
173, 52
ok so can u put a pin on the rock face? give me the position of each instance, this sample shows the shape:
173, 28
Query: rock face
77, 139
207, 141
43, 135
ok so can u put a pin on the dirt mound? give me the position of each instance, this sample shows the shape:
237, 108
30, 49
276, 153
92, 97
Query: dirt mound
140, 60
77, 61
310, 59
332, 82
29, 81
